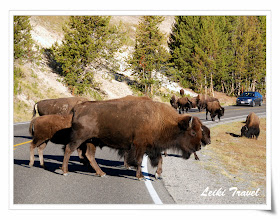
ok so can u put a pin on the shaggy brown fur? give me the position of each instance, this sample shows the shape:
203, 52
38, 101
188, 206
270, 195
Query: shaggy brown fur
61, 106
202, 100
182, 92
136, 127
173, 102
184, 104
215, 109
55, 128
252, 127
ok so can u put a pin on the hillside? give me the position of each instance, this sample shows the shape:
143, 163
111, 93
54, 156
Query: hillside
39, 81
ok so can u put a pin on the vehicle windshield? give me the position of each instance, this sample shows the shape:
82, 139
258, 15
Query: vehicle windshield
248, 94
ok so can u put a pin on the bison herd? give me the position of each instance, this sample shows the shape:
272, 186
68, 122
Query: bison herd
133, 126
202, 101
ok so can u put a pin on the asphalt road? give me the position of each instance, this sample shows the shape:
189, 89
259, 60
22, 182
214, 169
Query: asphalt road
36, 185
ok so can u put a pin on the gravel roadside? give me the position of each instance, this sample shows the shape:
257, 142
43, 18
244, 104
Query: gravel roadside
206, 181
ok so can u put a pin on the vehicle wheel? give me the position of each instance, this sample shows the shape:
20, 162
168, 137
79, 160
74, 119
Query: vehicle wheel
253, 104
260, 103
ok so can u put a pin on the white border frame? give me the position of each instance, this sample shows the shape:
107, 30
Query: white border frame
267, 206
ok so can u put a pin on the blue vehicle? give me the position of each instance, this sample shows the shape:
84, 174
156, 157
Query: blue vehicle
250, 99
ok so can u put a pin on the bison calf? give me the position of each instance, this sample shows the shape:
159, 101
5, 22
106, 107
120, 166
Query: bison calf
252, 127
184, 104
214, 108
56, 128
46, 128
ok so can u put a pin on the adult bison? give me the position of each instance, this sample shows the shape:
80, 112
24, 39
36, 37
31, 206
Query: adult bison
61, 106
173, 102
136, 127
215, 109
202, 100
182, 92
252, 127
184, 104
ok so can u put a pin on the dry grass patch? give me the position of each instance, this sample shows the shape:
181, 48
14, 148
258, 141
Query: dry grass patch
240, 156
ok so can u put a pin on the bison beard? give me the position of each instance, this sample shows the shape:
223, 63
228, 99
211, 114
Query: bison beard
134, 127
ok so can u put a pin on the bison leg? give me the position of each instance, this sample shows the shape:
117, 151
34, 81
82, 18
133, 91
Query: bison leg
140, 150
90, 154
195, 156
40, 152
69, 149
159, 168
126, 165
206, 114
32, 146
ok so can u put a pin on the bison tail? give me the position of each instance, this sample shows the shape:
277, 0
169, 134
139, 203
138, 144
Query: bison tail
34, 110
31, 128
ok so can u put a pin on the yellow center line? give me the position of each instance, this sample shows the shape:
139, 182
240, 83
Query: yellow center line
22, 143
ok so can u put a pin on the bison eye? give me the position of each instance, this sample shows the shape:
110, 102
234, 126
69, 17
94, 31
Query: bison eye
193, 133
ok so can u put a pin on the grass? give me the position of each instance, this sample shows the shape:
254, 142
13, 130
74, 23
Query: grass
239, 156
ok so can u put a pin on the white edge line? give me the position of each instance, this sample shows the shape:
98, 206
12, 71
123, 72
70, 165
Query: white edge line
22, 123
148, 182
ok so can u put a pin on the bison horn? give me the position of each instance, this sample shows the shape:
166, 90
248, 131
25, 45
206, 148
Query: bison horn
190, 122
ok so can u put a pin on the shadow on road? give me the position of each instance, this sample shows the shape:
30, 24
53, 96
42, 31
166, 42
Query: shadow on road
110, 167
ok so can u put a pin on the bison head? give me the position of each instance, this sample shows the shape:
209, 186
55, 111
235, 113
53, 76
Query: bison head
191, 135
206, 139
244, 131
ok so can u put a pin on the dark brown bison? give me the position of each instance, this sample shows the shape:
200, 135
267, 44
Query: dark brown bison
206, 139
252, 127
136, 127
173, 102
215, 109
182, 92
202, 99
184, 104
61, 106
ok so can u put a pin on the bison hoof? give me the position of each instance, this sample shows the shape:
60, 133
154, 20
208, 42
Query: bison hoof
157, 176
101, 175
142, 178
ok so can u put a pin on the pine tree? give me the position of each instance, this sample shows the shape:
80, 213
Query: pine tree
22, 37
88, 40
149, 55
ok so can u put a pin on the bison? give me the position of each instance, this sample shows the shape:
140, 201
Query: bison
202, 100
61, 106
182, 92
184, 104
136, 127
55, 128
193, 102
252, 127
215, 109
173, 102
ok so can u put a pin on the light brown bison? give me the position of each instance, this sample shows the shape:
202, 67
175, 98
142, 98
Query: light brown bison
173, 102
202, 99
54, 128
193, 102
184, 104
215, 109
252, 127
61, 106
136, 127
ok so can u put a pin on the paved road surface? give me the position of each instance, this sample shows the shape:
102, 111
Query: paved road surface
38, 186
